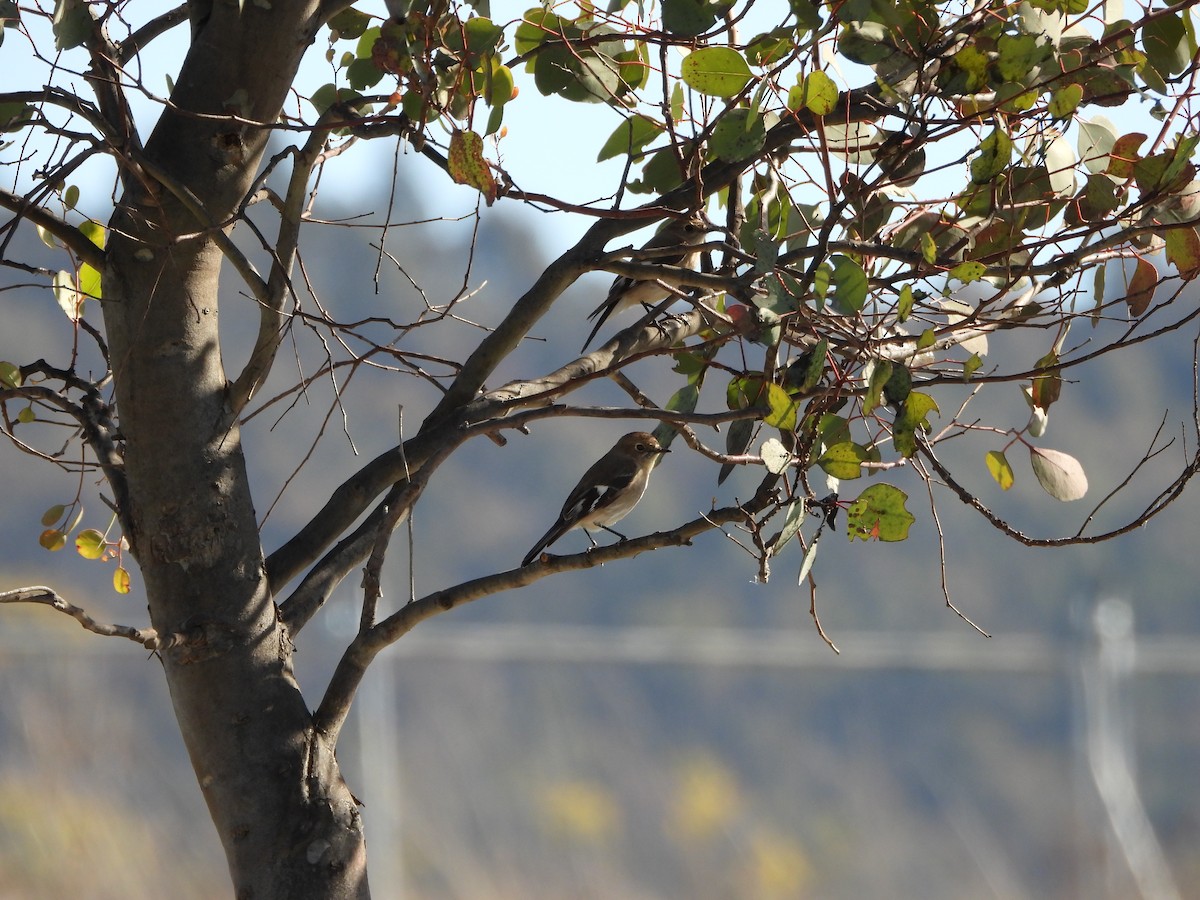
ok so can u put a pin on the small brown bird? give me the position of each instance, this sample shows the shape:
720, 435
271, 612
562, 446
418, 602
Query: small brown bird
608, 491
683, 235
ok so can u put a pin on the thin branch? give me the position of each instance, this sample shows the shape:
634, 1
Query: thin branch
213, 230
147, 637
487, 414
134, 44
75, 240
339, 694
291, 216
1164, 499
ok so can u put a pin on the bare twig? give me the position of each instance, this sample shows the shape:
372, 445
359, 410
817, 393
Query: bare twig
147, 637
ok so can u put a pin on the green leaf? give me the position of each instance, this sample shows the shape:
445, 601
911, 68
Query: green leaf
71, 196
850, 285
810, 556
904, 305
688, 18
783, 408
1019, 55
482, 35
974, 64
995, 153
538, 26
121, 580
1047, 387
833, 429
819, 94
89, 278
816, 366
1060, 475
971, 366
14, 116
72, 24
792, 520
362, 74
629, 137
737, 439
10, 374
47, 238
1064, 101
929, 251
684, 399
744, 392
739, 134
349, 24
1183, 251
879, 513
899, 385
716, 71
914, 416
866, 43
968, 271
843, 461
997, 465
53, 514
1168, 50
881, 372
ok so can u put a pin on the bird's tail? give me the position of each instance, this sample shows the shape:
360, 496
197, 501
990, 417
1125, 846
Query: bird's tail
558, 530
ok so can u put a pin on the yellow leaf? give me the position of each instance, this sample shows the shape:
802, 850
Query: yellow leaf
997, 464
820, 93
90, 543
467, 165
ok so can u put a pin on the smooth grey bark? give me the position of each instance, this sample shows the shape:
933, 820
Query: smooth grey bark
288, 823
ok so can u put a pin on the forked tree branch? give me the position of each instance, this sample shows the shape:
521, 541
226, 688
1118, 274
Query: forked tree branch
270, 310
355, 495
339, 694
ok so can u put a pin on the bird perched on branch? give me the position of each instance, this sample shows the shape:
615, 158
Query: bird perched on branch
681, 235
608, 491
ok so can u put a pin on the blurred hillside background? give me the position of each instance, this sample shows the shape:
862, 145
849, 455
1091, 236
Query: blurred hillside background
663, 727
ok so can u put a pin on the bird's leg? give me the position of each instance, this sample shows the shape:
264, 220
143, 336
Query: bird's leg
611, 531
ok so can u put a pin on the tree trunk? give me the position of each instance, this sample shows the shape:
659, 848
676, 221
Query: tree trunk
288, 823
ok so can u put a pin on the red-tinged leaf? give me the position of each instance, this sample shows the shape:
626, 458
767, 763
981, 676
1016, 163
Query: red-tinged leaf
90, 543
1183, 251
879, 514
1123, 155
1140, 290
52, 539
